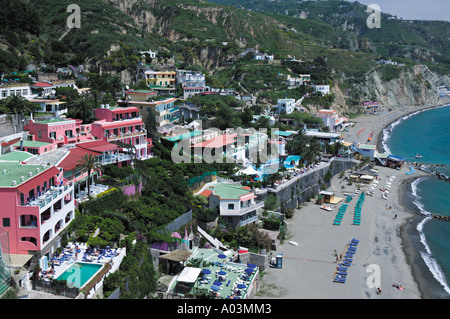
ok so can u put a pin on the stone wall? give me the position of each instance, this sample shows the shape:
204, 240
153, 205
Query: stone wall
300, 188
10, 124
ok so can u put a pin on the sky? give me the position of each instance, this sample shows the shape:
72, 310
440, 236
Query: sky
414, 9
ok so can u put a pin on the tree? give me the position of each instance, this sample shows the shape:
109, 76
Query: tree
82, 108
20, 105
88, 163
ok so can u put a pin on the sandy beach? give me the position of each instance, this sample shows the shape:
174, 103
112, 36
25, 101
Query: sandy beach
309, 267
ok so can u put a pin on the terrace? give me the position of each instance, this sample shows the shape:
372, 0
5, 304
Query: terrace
222, 278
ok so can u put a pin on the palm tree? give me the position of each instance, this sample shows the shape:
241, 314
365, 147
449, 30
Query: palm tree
19, 105
88, 163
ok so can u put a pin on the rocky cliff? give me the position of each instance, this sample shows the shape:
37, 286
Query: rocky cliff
415, 85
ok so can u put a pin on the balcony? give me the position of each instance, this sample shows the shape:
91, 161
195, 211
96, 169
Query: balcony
48, 197
128, 134
243, 210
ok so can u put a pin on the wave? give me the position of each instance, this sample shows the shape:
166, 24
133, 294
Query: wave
430, 261
416, 196
427, 256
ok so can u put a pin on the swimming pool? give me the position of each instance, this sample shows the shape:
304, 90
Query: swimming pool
79, 274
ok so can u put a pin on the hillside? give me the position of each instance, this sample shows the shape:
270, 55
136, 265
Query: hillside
427, 42
330, 37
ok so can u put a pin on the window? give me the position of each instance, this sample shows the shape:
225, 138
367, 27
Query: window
6, 222
230, 206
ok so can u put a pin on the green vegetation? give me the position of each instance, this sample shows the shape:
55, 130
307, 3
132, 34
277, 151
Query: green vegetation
303, 117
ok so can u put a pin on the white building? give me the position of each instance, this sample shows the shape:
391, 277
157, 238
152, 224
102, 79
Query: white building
150, 53
367, 150
264, 56
236, 203
324, 89
286, 105
21, 89
331, 119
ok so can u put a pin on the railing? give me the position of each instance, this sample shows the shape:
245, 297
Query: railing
48, 196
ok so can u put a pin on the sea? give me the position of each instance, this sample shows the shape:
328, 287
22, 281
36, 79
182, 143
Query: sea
426, 133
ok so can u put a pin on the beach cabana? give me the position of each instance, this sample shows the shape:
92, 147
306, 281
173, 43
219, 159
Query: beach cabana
328, 197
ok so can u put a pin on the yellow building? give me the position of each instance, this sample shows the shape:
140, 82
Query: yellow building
161, 80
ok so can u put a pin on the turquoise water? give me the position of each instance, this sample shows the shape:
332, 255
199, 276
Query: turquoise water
79, 273
427, 133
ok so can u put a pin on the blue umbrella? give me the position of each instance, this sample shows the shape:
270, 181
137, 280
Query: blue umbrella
217, 283
251, 266
215, 288
206, 271
222, 273
222, 256
248, 270
241, 286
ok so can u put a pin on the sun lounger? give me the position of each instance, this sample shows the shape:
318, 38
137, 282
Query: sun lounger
340, 280
346, 264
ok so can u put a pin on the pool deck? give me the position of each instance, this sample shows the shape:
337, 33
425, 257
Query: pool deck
72, 258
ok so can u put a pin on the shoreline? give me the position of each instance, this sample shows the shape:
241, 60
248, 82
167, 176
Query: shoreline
380, 134
385, 240
408, 231
410, 241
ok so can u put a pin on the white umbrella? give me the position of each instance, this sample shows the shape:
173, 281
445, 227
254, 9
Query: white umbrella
249, 171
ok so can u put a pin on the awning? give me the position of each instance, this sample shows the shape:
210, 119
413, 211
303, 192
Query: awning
38, 180
189, 275
247, 197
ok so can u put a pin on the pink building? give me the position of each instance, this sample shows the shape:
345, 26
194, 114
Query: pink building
36, 207
122, 124
59, 131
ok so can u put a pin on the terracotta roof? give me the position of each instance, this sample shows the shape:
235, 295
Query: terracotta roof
75, 155
206, 193
125, 110
41, 84
218, 141
108, 125
98, 146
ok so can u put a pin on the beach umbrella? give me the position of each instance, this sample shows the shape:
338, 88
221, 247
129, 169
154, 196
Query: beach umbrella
222, 256
206, 271
217, 283
249, 270
251, 266
215, 287
222, 273
241, 286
